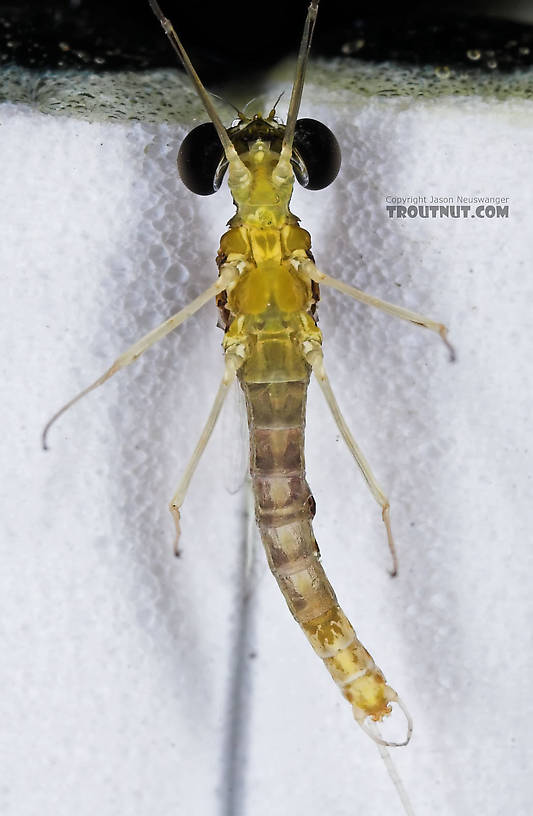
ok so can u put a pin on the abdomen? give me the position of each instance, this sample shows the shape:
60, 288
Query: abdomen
285, 508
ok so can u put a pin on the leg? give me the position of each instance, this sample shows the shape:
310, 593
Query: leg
232, 363
228, 273
308, 267
313, 355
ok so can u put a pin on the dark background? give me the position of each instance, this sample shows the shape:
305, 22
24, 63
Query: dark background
96, 35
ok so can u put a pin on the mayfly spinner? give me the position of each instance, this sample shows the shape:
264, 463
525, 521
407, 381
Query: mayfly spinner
267, 292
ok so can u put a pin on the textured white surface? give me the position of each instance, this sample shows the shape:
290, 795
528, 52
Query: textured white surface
116, 659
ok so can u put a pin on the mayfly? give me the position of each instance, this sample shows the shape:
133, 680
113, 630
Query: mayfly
267, 292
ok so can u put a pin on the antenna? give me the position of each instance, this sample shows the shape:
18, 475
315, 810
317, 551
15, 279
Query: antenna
282, 172
236, 164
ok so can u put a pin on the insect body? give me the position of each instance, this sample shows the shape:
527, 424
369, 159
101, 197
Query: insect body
272, 341
267, 292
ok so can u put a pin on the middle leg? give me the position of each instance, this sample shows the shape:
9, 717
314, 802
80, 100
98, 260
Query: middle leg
233, 362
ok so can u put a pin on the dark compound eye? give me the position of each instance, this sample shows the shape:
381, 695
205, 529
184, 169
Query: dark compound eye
201, 160
317, 157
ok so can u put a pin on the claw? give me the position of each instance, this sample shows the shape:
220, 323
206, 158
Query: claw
371, 729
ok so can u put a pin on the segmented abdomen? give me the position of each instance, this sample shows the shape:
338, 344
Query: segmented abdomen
284, 509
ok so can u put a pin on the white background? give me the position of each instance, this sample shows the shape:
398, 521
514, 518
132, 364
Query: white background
118, 662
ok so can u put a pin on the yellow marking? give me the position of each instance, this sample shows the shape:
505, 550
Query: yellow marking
329, 632
349, 661
371, 695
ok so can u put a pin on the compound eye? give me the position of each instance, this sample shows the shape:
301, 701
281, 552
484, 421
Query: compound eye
317, 149
201, 160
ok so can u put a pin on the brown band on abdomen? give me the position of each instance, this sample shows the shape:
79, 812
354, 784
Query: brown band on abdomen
284, 509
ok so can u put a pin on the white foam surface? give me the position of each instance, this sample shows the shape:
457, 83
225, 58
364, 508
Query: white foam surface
117, 660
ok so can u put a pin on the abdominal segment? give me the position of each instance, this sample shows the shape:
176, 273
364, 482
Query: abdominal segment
285, 508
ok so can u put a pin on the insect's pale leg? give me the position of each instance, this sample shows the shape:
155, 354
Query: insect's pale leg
251, 542
232, 363
313, 353
308, 267
228, 274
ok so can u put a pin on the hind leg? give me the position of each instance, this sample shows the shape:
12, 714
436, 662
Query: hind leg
314, 356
